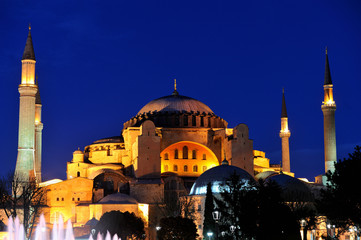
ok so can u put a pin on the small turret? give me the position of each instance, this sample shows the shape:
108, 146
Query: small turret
78, 156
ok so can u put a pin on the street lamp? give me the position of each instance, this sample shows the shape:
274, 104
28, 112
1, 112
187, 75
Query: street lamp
216, 216
209, 234
232, 228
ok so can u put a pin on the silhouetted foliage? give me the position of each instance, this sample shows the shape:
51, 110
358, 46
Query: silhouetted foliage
126, 225
341, 200
257, 211
177, 228
208, 222
22, 198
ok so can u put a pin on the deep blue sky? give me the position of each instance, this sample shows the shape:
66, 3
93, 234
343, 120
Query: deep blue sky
99, 62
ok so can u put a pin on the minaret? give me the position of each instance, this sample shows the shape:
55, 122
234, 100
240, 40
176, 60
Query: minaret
285, 135
38, 133
27, 89
328, 108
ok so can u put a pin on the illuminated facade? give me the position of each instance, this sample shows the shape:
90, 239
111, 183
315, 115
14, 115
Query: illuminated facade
161, 151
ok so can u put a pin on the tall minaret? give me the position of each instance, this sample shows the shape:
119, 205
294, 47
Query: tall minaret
328, 108
285, 135
27, 89
38, 133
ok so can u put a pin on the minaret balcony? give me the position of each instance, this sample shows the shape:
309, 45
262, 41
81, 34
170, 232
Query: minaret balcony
328, 105
285, 133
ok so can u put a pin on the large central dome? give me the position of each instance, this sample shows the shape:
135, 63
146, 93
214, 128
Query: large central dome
177, 111
175, 103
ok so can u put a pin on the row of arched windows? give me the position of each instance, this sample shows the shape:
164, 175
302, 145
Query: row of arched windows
185, 154
185, 168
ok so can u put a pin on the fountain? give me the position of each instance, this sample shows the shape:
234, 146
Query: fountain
16, 231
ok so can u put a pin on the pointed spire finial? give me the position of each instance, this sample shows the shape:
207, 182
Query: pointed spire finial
284, 109
29, 49
328, 80
175, 92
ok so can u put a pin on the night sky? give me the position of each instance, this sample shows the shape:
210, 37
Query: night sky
99, 62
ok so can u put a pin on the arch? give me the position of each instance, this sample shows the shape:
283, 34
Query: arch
185, 152
185, 168
200, 150
166, 157
176, 154
194, 154
106, 170
175, 168
195, 168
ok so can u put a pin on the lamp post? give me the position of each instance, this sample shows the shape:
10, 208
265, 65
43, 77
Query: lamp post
232, 228
216, 216
209, 234
157, 228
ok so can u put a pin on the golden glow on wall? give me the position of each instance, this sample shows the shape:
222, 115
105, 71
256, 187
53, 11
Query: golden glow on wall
328, 97
144, 209
28, 72
187, 159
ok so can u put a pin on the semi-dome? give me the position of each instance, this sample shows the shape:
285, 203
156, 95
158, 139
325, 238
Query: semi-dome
175, 103
177, 111
292, 188
118, 198
218, 176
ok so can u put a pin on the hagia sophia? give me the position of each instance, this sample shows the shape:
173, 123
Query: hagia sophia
174, 145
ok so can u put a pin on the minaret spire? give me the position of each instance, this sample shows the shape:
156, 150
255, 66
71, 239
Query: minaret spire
328, 108
38, 133
285, 135
29, 49
328, 80
26, 141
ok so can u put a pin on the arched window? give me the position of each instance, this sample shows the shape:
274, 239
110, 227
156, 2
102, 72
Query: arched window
185, 168
176, 154
166, 168
202, 121
194, 121
166, 156
204, 157
185, 152
177, 120
78, 174
194, 154
195, 168
175, 168
185, 120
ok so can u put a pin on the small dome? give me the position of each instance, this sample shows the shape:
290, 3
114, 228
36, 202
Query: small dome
217, 176
78, 151
292, 188
118, 198
175, 103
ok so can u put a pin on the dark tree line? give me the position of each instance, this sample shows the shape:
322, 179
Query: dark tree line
341, 200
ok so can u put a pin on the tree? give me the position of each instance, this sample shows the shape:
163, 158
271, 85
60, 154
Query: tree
23, 199
177, 228
126, 225
256, 210
208, 223
341, 200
